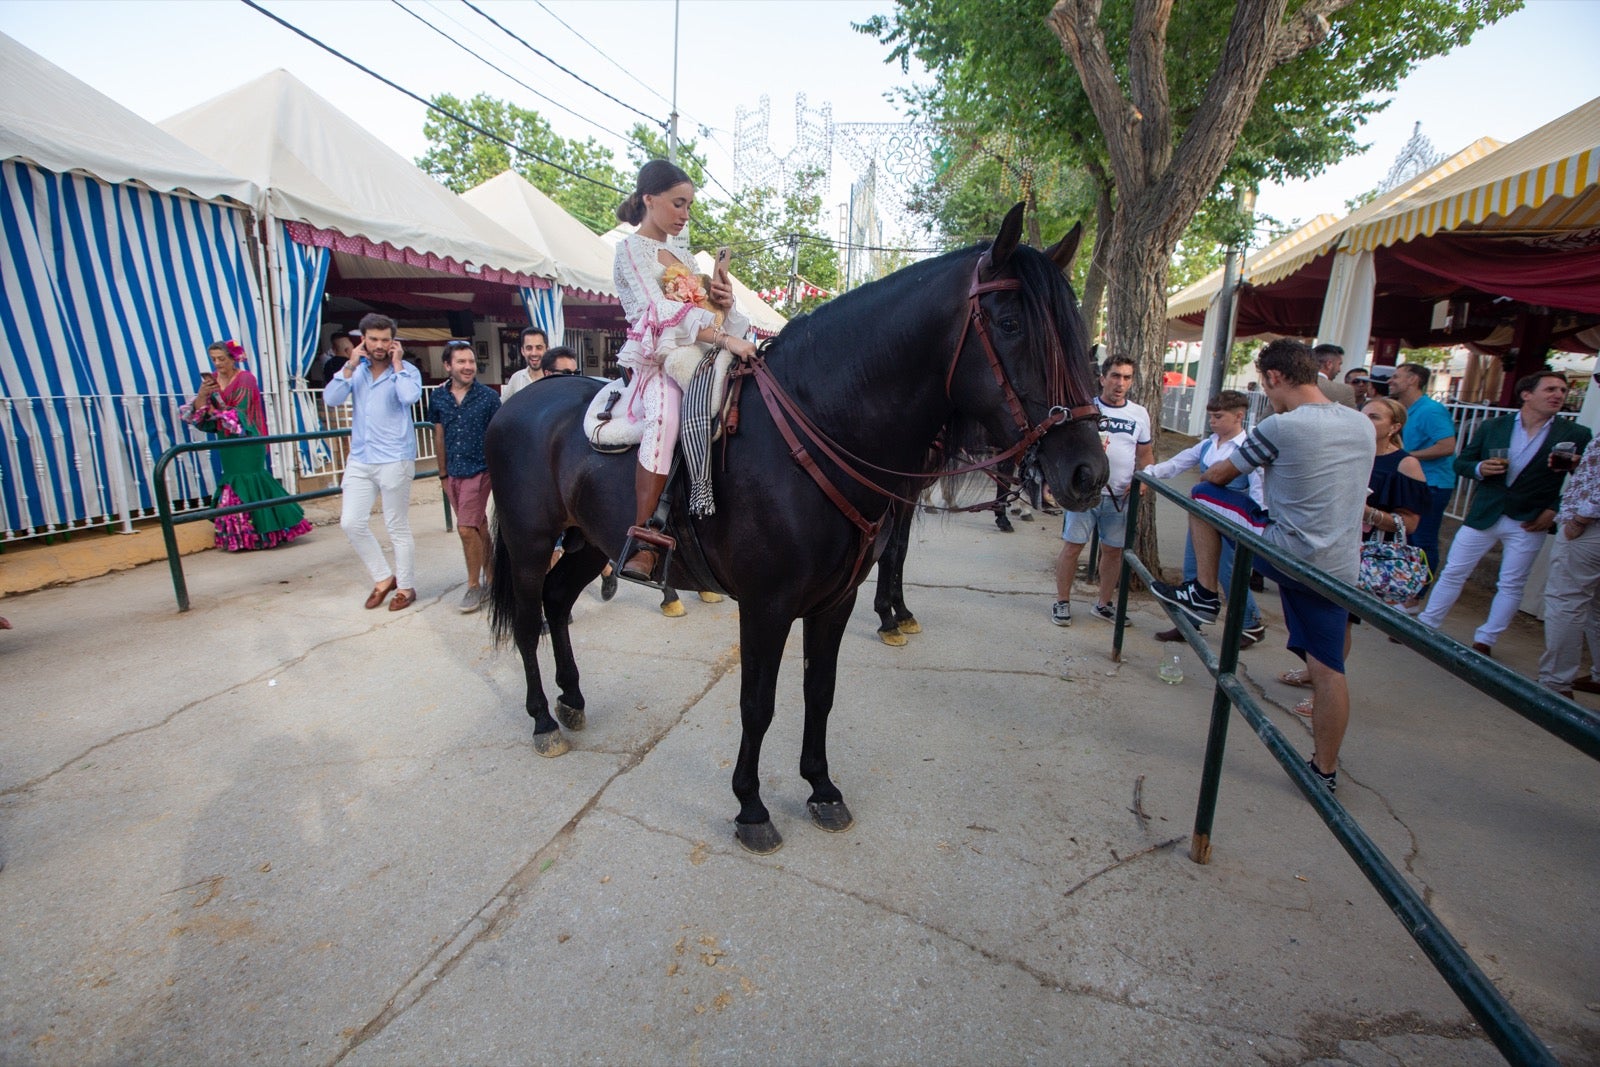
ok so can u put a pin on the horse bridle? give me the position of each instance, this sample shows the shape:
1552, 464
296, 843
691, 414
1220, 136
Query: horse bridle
1059, 384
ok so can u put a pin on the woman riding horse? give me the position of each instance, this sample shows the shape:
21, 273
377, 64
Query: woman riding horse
659, 323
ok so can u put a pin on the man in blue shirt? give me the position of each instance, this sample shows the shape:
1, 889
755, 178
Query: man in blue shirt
381, 387
1430, 436
460, 415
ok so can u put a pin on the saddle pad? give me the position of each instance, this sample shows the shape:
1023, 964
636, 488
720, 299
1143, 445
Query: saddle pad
621, 432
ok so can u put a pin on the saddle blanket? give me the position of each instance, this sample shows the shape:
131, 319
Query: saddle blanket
622, 431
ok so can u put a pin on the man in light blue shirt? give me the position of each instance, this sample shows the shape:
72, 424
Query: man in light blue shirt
1430, 436
381, 387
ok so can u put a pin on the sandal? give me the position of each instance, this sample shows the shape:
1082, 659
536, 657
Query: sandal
403, 598
1305, 709
1300, 678
380, 593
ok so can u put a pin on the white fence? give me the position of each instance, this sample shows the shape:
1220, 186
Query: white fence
72, 463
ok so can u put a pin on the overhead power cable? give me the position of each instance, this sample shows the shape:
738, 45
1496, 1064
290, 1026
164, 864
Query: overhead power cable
429, 104
603, 55
564, 70
508, 74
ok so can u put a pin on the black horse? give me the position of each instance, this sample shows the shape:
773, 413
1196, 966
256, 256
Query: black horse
980, 343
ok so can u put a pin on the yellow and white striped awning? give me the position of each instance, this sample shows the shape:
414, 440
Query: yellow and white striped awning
1196, 297
1288, 260
1546, 182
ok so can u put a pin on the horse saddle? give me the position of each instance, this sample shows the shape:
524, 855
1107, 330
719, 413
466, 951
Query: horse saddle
607, 423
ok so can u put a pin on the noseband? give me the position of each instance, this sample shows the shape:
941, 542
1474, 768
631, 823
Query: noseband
1067, 402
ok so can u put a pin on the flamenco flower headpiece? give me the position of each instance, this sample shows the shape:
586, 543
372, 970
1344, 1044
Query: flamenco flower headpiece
235, 350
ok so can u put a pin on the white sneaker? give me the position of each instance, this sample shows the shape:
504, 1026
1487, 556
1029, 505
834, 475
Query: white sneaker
472, 599
1061, 613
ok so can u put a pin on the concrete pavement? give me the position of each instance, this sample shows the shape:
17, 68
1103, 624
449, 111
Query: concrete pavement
282, 829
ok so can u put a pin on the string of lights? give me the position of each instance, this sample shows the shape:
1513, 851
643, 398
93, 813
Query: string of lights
429, 104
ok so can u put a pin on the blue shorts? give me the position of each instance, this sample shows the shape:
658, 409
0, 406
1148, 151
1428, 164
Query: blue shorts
1110, 517
1316, 624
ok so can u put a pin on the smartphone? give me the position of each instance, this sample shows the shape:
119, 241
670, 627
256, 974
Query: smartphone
723, 256
206, 377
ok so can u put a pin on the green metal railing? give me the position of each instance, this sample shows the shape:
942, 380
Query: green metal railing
169, 521
1575, 725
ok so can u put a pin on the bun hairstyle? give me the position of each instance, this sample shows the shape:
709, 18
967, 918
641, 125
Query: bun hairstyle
655, 178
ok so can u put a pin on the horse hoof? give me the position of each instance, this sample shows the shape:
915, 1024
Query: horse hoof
710, 598
551, 744
762, 838
893, 638
674, 609
910, 626
832, 816
570, 719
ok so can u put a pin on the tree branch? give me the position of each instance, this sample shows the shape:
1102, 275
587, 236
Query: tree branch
1147, 77
1077, 24
1304, 30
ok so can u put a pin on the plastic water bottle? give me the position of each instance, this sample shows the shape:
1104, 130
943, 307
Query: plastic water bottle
1171, 670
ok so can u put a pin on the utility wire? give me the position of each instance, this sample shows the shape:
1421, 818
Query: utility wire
429, 104
706, 169
508, 74
558, 66
603, 55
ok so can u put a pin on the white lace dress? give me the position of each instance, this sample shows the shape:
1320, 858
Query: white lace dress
656, 327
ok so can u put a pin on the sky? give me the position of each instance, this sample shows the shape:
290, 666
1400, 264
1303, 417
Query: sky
158, 57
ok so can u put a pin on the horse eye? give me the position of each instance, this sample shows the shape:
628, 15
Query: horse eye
1010, 325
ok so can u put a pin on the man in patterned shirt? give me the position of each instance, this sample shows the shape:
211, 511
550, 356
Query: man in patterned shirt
460, 415
1571, 605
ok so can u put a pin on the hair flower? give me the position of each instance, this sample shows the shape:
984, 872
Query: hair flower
235, 350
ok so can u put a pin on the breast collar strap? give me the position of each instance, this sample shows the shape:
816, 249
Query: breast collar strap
1059, 384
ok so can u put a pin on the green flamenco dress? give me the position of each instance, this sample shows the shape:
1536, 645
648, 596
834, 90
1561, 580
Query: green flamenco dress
245, 476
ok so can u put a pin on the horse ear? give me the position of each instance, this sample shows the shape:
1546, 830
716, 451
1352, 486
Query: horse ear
1006, 243
1064, 251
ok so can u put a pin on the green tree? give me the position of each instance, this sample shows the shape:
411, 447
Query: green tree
1248, 91
461, 158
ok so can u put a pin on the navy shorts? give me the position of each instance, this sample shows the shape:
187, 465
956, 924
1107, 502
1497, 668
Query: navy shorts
1316, 624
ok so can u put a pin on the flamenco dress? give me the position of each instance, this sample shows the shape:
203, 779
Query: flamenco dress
245, 477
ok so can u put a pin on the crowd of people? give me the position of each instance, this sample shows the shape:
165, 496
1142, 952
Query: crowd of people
1346, 458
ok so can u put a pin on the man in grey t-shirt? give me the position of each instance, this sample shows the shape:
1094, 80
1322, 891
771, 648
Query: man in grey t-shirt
1316, 458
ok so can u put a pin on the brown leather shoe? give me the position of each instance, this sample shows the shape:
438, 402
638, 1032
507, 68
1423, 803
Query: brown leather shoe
380, 593
1482, 649
1169, 635
641, 566
1586, 685
403, 599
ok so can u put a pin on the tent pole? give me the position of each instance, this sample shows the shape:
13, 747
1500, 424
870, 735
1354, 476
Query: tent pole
268, 266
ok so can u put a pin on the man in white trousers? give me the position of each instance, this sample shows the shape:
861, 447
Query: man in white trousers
381, 387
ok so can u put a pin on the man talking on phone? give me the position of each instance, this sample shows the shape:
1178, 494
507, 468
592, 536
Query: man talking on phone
381, 387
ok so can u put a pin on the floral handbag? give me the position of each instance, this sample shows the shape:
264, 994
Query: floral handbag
1393, 571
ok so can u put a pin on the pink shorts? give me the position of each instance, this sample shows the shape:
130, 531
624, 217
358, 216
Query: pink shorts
469, 497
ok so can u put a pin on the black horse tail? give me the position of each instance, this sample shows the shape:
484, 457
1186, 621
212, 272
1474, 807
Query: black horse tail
503, 590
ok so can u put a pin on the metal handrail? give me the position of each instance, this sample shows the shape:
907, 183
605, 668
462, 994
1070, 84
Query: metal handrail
1573, 724
169, 521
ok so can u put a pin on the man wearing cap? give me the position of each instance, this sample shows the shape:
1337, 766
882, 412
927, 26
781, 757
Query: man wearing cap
1330, 360
1430, 436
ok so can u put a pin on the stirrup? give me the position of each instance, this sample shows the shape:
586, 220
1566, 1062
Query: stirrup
639, 537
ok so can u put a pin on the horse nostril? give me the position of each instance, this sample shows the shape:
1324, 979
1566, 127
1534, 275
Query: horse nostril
1085, 479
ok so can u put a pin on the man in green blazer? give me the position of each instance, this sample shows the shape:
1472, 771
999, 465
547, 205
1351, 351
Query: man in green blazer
1514, 504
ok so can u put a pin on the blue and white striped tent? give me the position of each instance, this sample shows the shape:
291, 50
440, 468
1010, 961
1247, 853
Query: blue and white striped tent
124, 252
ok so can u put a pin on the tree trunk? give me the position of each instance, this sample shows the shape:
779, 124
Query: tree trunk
1137, 321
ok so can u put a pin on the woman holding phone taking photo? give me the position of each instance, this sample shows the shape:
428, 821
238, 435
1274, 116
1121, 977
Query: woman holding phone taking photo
229, 405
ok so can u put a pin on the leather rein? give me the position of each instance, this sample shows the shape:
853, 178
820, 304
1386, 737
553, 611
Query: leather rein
787, 416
